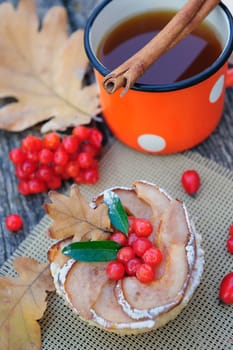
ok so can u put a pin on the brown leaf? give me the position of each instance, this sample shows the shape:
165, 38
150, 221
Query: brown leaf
73, 216
43, 69
23, 302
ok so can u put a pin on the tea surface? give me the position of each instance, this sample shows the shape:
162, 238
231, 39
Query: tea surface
192, 55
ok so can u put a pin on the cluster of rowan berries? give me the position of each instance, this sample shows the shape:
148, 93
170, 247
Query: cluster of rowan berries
138, 256
42, 164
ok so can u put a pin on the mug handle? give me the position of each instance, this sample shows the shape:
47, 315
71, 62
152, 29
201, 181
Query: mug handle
229, 77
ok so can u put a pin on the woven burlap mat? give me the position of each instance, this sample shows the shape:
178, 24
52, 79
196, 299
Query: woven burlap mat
205, 323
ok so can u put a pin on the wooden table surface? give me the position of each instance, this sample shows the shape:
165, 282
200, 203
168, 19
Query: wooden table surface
218, 147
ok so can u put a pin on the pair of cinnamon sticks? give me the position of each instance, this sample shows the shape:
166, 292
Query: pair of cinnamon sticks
182, 24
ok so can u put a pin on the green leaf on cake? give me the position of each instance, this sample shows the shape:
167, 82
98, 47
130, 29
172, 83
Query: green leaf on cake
116, 212
92, 251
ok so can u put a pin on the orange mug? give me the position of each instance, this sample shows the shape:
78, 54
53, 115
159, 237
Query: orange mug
165, 118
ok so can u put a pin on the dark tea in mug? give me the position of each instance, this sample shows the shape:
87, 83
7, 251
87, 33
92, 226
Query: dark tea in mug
168, 112
191, 56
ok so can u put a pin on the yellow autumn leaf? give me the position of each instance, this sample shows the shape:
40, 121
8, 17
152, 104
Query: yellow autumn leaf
43, 69
22, 303
72, 215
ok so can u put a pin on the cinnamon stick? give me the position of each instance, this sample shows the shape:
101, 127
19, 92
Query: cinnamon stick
182, 24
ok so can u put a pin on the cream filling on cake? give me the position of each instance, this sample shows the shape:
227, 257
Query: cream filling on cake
59, 276
129, 325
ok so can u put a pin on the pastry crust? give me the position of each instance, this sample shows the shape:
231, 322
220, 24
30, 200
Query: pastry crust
113, 306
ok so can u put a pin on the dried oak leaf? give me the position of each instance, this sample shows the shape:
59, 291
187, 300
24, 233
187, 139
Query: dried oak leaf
43, 69
72, 215
23, 302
